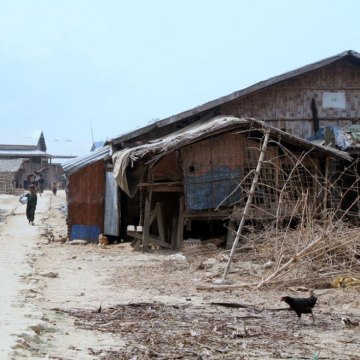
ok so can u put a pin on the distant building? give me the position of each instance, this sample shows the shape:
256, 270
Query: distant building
27, 152
97, 145
11, 174
63, 150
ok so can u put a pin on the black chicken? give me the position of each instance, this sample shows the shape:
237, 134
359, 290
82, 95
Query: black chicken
301, 305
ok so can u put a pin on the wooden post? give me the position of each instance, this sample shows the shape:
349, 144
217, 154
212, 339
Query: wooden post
248, 202
230, 234
141, 220
326, 184
146, 229
174, 229
160, 222
180, 224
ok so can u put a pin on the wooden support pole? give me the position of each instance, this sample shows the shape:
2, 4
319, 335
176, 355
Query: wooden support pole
326, 184
161, 223
180, 224
230, 234
146, 229
174, 230
248, 203
141, 220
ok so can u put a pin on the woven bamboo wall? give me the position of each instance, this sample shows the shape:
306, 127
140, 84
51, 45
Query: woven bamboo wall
288, 105
6, 182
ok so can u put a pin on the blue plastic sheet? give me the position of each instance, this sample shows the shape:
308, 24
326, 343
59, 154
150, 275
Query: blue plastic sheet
208, 190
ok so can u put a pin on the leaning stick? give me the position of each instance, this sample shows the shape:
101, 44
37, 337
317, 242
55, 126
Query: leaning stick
293, 259
248, 203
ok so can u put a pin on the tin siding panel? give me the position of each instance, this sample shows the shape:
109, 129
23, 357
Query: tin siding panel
86, 194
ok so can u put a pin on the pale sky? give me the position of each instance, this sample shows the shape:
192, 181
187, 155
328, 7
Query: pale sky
67, 66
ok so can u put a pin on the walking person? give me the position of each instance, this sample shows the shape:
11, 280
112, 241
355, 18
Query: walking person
54, 188
31, 204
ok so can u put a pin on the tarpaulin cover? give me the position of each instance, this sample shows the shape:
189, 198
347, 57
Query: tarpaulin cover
127, 172
209, 190
355, 132
333, 135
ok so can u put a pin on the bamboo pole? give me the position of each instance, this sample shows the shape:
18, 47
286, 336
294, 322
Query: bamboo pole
224, 287
326, 185
248, 203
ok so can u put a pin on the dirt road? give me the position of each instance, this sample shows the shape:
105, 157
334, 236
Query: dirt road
150, 305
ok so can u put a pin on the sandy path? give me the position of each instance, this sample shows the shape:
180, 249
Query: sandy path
40, 274
18, 242
51, 291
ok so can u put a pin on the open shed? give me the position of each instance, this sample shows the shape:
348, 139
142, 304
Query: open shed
201, 175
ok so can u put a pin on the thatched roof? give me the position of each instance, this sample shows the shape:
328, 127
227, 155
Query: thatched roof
155, 149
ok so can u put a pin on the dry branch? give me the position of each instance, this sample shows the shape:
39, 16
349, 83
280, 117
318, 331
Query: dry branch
236, 305
296, 257
225, 287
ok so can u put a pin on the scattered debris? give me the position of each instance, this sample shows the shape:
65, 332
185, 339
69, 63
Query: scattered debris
77, 242
50, 274
344, 281
349, 323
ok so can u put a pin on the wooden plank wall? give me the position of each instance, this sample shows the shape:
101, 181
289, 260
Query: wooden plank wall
212, 169
86, 194
234, 150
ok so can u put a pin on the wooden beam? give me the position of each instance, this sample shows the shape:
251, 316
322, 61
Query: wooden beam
160, 222
174, 232
135, 234
326, 185
164, 187
231, 232
207, 214
158, 241
180, 225
146, 229
154, 213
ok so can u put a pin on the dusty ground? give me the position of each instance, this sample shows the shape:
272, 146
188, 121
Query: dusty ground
150, 305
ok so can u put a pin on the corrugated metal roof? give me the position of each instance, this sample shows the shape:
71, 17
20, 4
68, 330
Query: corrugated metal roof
10, 165
62, 148
352, 55
23, 153
74, 165
11, 136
